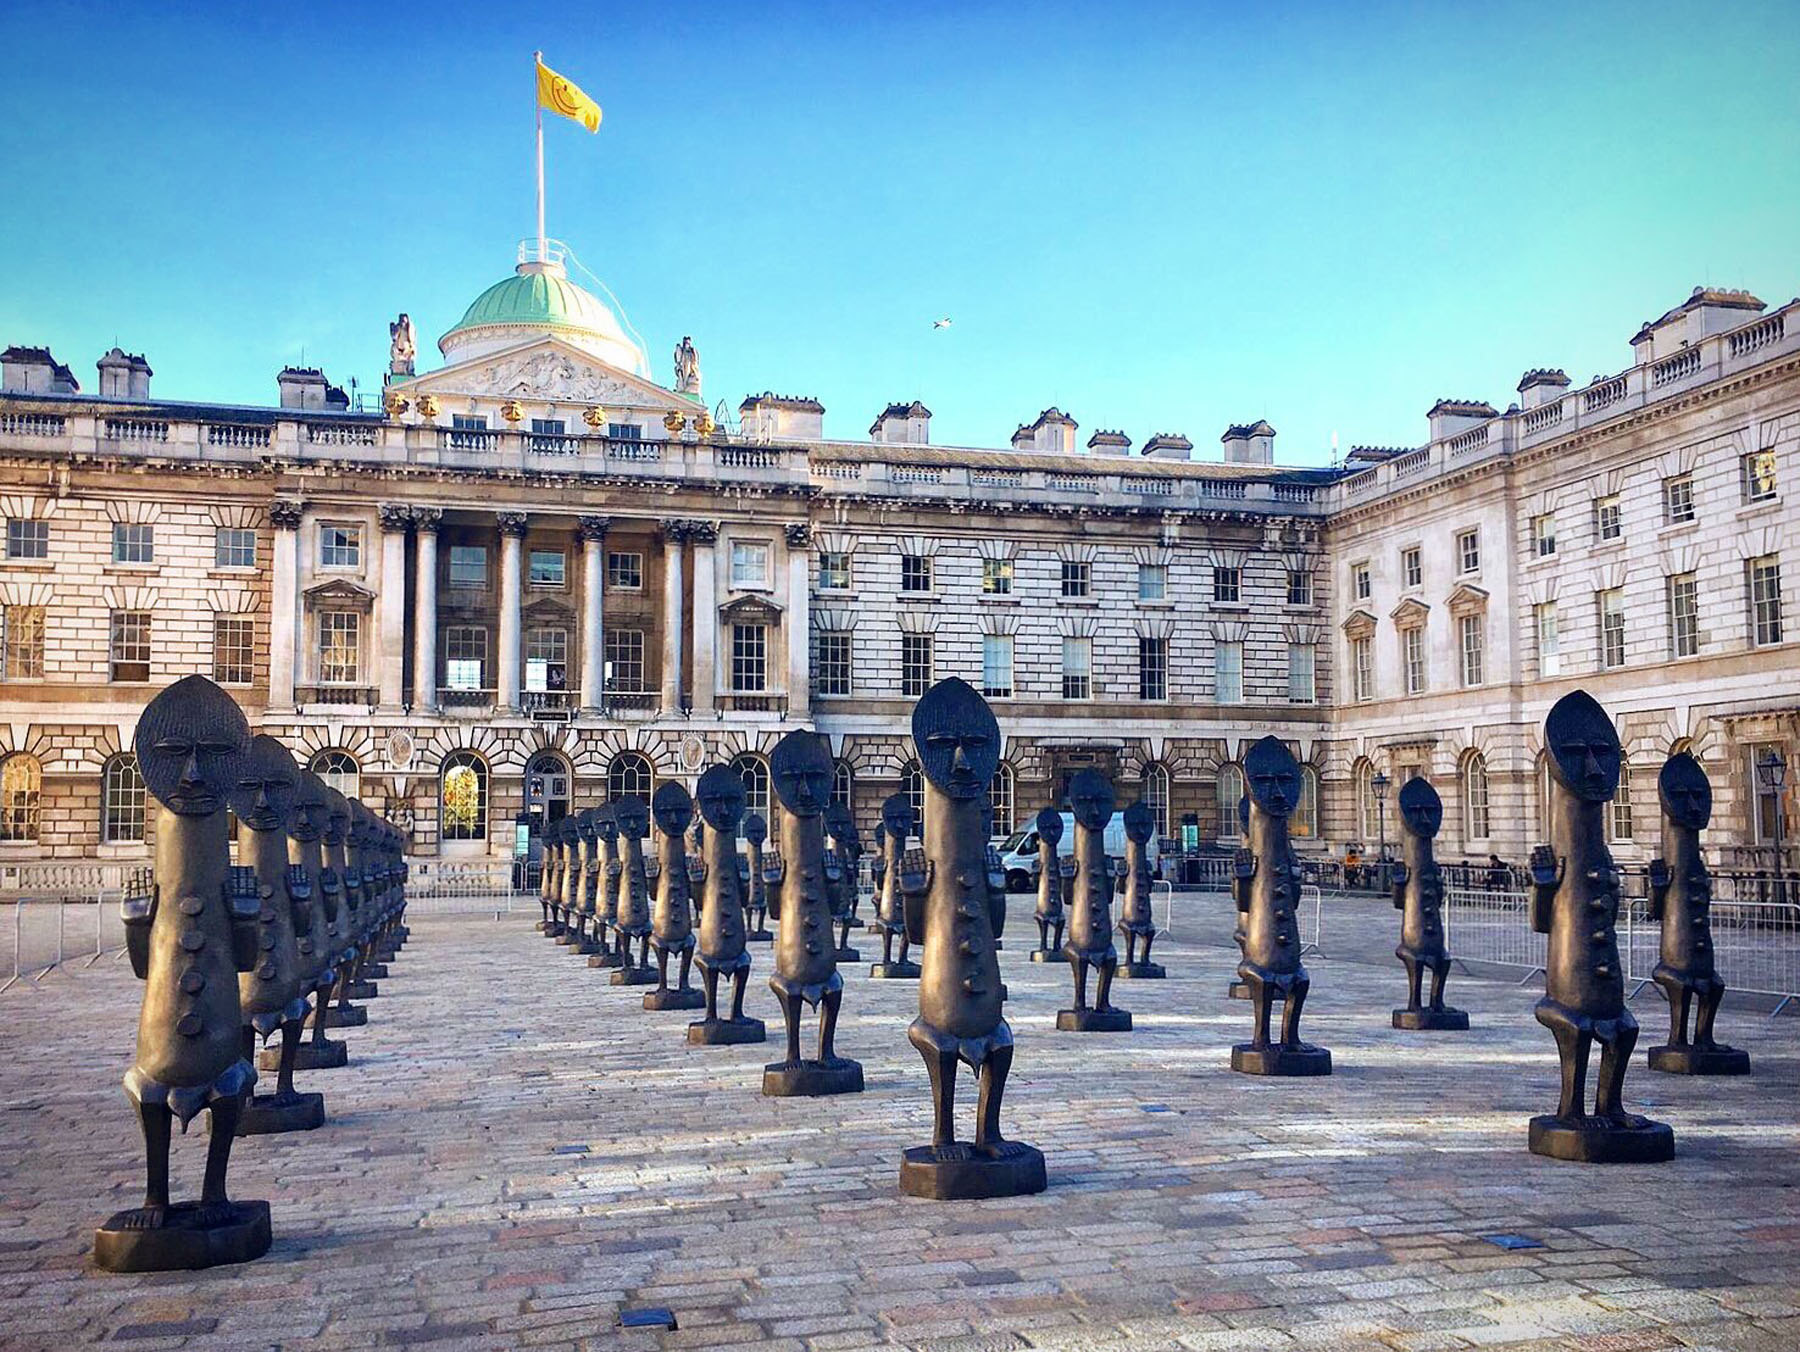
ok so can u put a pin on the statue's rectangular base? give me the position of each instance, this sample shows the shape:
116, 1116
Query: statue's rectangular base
1275, 1059
338, 1016
812, 1079
1432, 1020
895, 971
760, 937
1588, 1140
190, 1236
265, 1115
1240, 990
1141, 971
957, 1172
363, 990
1048, 955
726, 1032
1094, 1020
327, 1055
568, 939
1691, 1060
672, 998
375, 971
604, 960
847, 956
634, 976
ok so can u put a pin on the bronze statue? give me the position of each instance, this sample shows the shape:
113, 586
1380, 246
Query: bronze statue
272, 994
1267, 891
1137, 918
951, 909
632, 893
306, 882
1681, 901
606, 883
805, 956
571, 881
842, 873
341, 880
1418, 886
1090, 913
890, 907
720, 797
587, 854
1575, 900
672, 920
360, 883
756, 831
550, 885
1055, 875
188, 938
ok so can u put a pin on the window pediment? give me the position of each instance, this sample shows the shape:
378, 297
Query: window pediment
1359, 624
1410, 613
750, 610
1467, 599
340, 594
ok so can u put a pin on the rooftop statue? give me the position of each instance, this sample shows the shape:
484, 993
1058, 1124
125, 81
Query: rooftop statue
403, 347
687, 367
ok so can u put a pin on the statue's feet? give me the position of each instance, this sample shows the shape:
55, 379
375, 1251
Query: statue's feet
1612, 1138
142, 1218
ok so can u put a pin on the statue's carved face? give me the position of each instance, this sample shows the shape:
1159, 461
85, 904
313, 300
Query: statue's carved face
1273, 776
896, 817
957, 738
1584, 747
720, 794
672, 808
606, 824
1421, 808
1686, 791
801, 772
586, 827
307, 819
1049, 825
841, 827
1139, 823
191, 744
756, 830
337, 817
1091, 799
633, 816
263, 796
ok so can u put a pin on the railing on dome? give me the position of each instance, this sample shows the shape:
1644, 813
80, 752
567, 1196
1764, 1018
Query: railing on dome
554, 252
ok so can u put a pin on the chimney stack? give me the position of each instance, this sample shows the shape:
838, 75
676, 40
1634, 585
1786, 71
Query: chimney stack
302, 387
1109, 443
903, 425
1249, 443
32, 370
1169, 446
124, 376
1447, 417
1540, 387
1053, 431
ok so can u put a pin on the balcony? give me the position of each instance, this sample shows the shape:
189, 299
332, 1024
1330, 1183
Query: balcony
460, 699
549, 705
746, 702
337, 693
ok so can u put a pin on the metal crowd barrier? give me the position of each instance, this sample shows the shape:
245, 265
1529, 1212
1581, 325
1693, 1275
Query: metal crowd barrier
48, 935
1311, 914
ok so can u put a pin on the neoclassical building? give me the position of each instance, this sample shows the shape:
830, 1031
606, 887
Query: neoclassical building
534, 576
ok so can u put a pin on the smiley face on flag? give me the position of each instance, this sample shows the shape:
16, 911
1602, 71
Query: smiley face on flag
566, 98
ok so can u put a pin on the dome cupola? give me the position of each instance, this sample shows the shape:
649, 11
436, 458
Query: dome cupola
539, 299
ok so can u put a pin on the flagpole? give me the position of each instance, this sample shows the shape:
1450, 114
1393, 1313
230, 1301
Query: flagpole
538, 106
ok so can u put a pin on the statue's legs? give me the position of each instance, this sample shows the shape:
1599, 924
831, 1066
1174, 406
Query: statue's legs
1130, 947
1043, 933
1572, 1046
710, 979
887, 946
1149, 939
290, 1052
1290, 1012
1262, 996
643, 950
1615, 1059
1706, 1013
687, 966
941, 1066
1440, 972
1103, 990
662, 968
1081, 971
828, 1017
739, 979
1059, 936
992, 1077
1414, 977
225, 1113
155, 1121
905, 944
321, 998
790, 1014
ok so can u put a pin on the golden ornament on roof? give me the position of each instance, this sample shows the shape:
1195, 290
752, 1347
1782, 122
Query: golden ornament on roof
428, 405
594, 415
704, 424
512, 410
674, 422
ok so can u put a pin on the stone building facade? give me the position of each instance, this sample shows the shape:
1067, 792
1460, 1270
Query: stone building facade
535, 577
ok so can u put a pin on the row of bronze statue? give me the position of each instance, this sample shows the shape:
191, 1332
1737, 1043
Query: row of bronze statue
295, 932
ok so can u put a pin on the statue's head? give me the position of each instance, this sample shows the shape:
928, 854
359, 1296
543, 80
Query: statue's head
191, 744
672, 808
337, 817
801, 771
1244, 814
1139, 822
880, 834
1686, 792
1273, 776
311, 808
1049, 825
632, 814
1420, 807
957, 738
756, 830
586, 826
263, 796
1584, 747
720, 795
1091, 799
606, 823
841, 827
897, 817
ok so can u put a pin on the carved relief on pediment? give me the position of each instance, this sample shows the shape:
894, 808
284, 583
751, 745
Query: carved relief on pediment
550, 373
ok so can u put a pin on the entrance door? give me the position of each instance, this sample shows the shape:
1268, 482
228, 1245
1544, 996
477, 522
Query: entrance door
546, 793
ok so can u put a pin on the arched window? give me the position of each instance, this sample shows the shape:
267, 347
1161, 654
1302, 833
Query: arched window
1000, 794
1475, 798
339, 770
629, 774
843, 785
1619, 818
21, 782
121, 801
1368, 814
912, 784
1230, 787
547, 786
462, 797
754, 771
1304, 824
1156, 795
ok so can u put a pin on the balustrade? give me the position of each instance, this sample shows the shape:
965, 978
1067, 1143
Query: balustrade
336, 693
31, 425
236, 435
1678, 367
341, 434
136, 429
1604, 395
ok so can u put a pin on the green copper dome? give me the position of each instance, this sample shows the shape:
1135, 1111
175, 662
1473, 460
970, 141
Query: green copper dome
539, 298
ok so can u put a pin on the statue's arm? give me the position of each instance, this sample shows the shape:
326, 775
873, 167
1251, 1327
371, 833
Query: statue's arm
916, 874
244, 903
996, 893
774, 870
138, 911
1243, 873
1397, 878
1546, 877
1660, 879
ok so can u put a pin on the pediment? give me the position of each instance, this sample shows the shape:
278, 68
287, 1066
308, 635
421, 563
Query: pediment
546, 369
340, 592
1410, 611
1358, 624
751, 610
1467, 597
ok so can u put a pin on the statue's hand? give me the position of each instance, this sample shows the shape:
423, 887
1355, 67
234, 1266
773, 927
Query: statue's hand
1660, 877
696, 870
1546, 868
1398, 874
244, 904
1243, 864
138, 910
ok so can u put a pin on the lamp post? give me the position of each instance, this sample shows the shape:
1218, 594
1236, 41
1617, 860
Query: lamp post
1772, 771
1380, 785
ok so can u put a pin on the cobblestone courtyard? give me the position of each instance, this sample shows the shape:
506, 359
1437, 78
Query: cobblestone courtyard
518, 1150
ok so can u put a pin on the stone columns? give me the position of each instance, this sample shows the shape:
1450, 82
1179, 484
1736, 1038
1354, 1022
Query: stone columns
799, 619
674, 534
284, 604
593, 638
705, 535
390, 606
512, 595
425, 692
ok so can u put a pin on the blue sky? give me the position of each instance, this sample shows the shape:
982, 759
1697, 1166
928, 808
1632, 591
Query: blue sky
1158, 217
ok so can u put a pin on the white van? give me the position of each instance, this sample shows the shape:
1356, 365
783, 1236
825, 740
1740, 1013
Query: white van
1019, 852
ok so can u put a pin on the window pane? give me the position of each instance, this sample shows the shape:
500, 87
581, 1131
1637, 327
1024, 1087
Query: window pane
549, 568
1549, 643
27, 539
1227, 586
1678, 499
1228, 673
130, 645
1684, 615
1153, 668
1229, 789
340, 546
625, 660
340, 647
1077, 668
1075, 578
625, 572
749, 657
915, 664
21, 784
133, 544
233, 548
1468, 551
1611, 603
915, 572
1418, 673
996, 577
1362, 663
997, 665
1301, 687
468, 565
1300, 589
1153, 582
834, 571
234, 649
1474, 648
122, 801
1609, 518
749, 565
1765, 599
833, 674
24, 643
1412, 568
464, 798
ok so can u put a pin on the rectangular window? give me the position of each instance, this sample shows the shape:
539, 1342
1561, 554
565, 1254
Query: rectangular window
130, 650
1764, 576
1678, 499
1468, 551
468, 432
1361, 585
1757, 472
27, 539
465, 657
915, 664
1412, 567
1077, 578
234, 548
833, 674
340, 647
624, 572
996, 577
1301, 674
1549, 641
1609, 518
915, 572
997, 665
1300, 588
134, 544
1362, 669
1684, 615
340, 546
749, 564
234, 649
24, 659
1543, 534
624, 431
546, 659
549, 427
1610, 605
468, 566
1768, 798
1228, 673
1077, 668
750, 658
834, 571
1153, 667
1227, 586
1473, 633
624, 660
1418, 671
1153, 582
549, 568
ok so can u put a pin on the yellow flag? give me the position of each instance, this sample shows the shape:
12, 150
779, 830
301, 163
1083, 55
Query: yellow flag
565, 97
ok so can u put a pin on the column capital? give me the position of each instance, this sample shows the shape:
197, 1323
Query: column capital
799, 534
394, 516
703, 532
427, 518
284, 513
674, 530
593, 527
511, 523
